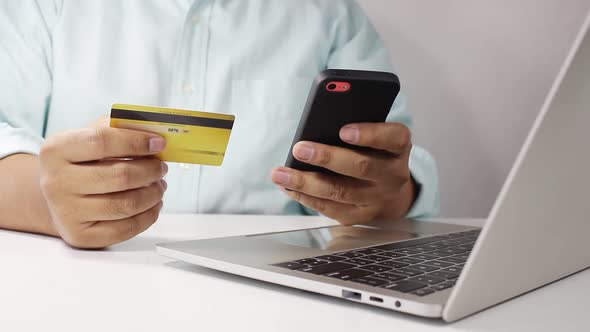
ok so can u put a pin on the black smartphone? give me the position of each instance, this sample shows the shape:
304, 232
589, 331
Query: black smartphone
339, 97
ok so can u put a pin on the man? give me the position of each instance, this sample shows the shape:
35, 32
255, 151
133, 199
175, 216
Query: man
63, 63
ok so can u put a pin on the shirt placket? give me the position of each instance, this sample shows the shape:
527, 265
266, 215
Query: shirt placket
189, 91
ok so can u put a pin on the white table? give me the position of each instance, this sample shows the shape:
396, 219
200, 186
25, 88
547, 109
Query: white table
47, 286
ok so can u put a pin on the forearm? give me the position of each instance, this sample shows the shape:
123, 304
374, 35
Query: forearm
22, 205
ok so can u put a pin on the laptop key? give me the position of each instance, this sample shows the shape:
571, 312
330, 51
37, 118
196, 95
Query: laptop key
377, 258
405, 286
331, 258
408, 251
304, 261
290, 265
462, 248
435, 246
370, 281
311, 262
422, 248
466, 240
442, 253
392, 254
450, 243
394, 264
428, 279
453, 259
349, 254
327, 268
443, 274
392, 277
423, 268
455, 250
423, 292
360, 261
424, 256
455, 242
409, 260
453, 269
439, 264
376, 268
408, 272
348, 274
442, 286
464, 255
369, 251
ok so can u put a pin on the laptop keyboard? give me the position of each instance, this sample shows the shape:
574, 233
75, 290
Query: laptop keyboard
421, 267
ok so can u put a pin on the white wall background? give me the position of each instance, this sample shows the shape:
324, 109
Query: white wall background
476, 72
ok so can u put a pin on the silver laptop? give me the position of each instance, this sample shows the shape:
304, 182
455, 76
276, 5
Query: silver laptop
538, 230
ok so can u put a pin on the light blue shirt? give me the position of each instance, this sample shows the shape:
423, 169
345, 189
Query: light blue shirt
64, 63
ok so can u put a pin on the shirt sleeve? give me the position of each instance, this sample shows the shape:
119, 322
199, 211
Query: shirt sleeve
25, 79
357, 45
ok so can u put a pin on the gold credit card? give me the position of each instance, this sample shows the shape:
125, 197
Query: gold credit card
191, 137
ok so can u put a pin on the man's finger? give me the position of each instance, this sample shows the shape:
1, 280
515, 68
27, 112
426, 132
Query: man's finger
105, 233
366, 166
346, 214
108, 176
334, 188
120, 205
90, 144
388, 136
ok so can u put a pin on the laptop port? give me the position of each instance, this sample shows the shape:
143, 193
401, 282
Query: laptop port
376, 299
350, 295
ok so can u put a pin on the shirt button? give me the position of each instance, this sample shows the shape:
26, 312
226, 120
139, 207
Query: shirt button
188, 88
195, 18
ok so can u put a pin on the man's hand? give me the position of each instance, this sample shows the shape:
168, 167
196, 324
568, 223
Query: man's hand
371, 184
94, 199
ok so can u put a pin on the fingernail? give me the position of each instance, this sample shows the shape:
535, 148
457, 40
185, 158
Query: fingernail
157, 144
303, 151
164, 168
349, 134
281, 177
164, 184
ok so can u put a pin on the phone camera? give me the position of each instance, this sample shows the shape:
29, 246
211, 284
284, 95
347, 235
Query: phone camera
331, 86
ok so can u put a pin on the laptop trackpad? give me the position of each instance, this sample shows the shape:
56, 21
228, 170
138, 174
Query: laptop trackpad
338, 238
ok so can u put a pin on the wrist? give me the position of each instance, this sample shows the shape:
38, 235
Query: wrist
401, 204
23, 206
